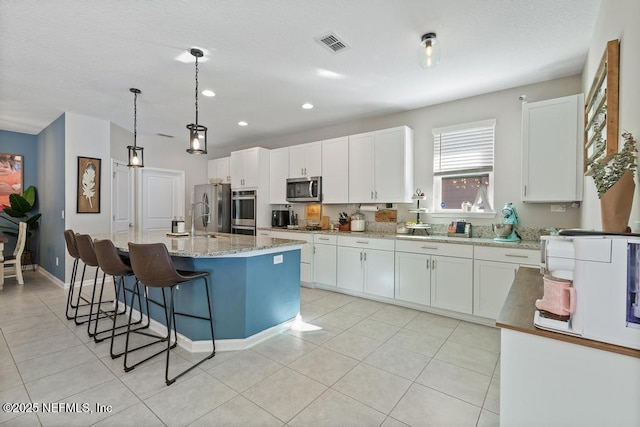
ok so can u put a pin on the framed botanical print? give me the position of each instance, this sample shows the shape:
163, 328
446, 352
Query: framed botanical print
11, 177
88, 185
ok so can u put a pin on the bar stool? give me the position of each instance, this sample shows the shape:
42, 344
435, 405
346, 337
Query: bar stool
88, 256
72, 249
154, 268
111, 263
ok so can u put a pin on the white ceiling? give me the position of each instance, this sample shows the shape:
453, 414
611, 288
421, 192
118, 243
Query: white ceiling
262, 61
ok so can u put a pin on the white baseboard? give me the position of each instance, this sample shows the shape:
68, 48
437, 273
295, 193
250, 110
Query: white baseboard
206, 345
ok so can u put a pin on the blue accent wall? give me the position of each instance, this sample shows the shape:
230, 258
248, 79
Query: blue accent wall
51, 196
27, 146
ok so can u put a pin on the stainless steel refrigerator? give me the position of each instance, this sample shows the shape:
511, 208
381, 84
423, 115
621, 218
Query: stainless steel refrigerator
212, 207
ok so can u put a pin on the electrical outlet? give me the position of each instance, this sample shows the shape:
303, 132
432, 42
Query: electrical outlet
278, 259
56, 261
558, 208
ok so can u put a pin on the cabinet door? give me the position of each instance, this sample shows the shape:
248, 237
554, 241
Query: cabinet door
325, 264
251, 168
491, 283
296, 161
313, 159
379, 273
236, 166
393, 172
223, 170
212, 169
452, 283
413, 281
350, 269
278, 174
552, 150
361, 168
335, 170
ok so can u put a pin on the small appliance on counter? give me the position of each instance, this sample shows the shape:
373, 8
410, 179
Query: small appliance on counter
506, 232
591, 287
280, 218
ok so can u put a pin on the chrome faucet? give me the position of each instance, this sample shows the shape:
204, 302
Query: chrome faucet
194, 218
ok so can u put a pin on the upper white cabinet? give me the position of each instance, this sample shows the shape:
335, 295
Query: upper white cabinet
278, 174
335, 170
552, 150
381, 166
305, 160
218, 169
249, 168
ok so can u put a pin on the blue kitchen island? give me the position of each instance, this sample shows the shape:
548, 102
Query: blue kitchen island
254, 285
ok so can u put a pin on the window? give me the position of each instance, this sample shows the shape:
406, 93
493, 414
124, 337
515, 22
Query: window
463, 166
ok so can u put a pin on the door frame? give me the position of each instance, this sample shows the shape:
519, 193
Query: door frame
132, 185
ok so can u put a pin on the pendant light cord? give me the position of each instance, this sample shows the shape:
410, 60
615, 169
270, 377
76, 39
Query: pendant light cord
196, 91
135, 119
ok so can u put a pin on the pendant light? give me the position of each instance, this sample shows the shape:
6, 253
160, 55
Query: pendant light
197, 132
429, 51
136, 154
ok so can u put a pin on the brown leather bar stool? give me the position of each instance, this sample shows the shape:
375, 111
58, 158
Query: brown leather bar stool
154, 268
111, 263
88, 256
72, 249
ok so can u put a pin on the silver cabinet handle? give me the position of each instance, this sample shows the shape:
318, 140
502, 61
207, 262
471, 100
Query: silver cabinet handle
516, 256
314, 250
433, 264
365, 256
376, 195
372, 195
433, 248
525, 190
362, 242
360, 256
427, 263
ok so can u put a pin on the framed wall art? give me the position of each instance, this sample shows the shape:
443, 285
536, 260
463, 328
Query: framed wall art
88, 185
11, 177
601, 109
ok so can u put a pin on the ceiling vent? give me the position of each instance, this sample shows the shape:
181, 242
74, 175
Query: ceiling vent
164, 135
331, 42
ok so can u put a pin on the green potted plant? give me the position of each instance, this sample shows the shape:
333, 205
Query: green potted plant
20, 209
614, 182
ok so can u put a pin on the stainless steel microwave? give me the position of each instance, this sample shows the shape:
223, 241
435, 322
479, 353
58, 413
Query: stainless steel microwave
304, 189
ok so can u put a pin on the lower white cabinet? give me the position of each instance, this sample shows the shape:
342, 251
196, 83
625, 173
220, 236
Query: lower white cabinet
306, 258
366, 265
435, 274
325, 257
494, 271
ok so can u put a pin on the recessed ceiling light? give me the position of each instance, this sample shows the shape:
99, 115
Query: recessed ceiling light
208, 92
307, 106
243, 123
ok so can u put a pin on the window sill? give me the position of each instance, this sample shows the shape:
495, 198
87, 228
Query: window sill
461, 214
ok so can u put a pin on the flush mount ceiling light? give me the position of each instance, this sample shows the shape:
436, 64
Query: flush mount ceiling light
197, 132
208, 92
429, 51
243, 123
307, 106
136, 154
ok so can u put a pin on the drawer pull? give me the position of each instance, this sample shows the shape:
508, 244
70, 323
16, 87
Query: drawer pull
516, 256
362, 242
433, 248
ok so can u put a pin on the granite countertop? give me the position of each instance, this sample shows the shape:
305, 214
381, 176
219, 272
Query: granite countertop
201, 246
523, 244
519, 308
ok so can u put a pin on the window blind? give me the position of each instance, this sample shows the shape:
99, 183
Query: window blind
463, 149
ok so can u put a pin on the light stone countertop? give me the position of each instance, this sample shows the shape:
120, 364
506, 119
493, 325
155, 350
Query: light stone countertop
201, 246
523, 244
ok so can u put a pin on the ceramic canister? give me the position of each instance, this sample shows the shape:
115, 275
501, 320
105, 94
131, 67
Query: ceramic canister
559, 296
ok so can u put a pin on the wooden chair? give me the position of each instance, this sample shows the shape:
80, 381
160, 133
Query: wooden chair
15, 260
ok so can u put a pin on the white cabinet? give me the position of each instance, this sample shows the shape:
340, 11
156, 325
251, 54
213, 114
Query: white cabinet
278, 174
494, 271
335, 170
325, 256
552, 150
218, 169
366, 265
249, 168
436, 274
305, 160
381, 166
306, 258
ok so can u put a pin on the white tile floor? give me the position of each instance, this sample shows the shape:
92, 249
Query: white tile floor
371, 364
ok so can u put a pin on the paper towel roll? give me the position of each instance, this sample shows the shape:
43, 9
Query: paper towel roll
368, 208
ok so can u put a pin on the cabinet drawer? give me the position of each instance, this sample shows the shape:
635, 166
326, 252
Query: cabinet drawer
435, 248
292, 236
325, 239
514, 255
368, 243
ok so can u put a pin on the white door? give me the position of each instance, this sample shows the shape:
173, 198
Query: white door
160, 198
278, 174
335, 170
121, 197
350, 274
